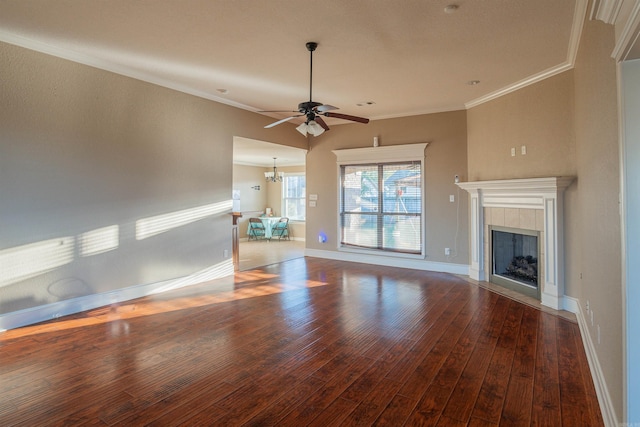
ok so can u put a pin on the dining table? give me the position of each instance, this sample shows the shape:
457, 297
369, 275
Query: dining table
269, 222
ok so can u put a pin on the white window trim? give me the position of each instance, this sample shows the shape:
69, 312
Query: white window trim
386, 154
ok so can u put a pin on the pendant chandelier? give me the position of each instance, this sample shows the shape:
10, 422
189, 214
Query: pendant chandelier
274, 176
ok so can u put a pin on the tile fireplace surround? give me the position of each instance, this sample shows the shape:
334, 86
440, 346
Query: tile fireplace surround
534, 204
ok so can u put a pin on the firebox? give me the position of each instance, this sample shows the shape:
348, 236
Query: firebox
514, 259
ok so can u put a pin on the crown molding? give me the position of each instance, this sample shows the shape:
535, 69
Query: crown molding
91, 61
629, 34
519, 85
606, 10
609, 12
446, 109
579, 15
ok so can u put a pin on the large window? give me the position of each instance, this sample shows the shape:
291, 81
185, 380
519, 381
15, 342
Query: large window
381, 206
293, 196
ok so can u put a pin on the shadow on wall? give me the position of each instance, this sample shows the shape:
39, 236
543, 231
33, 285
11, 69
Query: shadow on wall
67, 267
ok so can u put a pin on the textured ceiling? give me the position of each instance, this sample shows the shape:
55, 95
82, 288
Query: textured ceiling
407, 57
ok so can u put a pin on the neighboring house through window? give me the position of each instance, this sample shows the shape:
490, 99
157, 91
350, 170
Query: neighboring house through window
381, 206
381, 199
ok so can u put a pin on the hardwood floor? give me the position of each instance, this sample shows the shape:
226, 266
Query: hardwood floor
258, 253
303, 342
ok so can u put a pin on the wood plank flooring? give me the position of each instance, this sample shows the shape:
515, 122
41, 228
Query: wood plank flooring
303, 342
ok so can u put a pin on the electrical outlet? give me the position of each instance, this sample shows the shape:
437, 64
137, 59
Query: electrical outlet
452, 198
523, 150
513, 151
587, 306
447, 251
225, 253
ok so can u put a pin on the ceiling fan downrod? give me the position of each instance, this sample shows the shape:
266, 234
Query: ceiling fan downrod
311, 46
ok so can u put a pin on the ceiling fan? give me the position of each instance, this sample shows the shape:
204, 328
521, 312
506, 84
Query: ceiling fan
313, 111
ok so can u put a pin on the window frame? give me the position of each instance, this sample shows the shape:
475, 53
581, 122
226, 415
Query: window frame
382, 155
283, 197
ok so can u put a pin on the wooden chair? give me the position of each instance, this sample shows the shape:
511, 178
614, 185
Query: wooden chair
281, 229
256, 229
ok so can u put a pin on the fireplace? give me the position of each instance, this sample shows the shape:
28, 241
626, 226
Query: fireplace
514, 259
529, 204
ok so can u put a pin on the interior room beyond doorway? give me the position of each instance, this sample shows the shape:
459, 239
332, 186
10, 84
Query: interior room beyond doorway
255, 196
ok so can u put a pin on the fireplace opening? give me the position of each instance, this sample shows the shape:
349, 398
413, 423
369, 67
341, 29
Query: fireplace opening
515, 255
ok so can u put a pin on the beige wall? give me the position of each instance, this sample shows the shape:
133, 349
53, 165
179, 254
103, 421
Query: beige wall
540, 117
83, 148
598, 165
446, 156
569, 125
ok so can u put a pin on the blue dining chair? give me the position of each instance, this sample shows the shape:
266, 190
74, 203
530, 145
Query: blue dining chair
281, 229
256, 229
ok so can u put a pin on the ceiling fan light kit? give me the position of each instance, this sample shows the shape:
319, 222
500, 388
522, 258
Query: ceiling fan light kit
310, 127
313, 111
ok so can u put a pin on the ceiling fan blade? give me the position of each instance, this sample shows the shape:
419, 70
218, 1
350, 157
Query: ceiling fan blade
326, 107
277, 111
321, 122
346, 117
280, 121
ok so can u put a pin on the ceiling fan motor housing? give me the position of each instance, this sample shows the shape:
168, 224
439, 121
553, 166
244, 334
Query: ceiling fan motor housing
305, 107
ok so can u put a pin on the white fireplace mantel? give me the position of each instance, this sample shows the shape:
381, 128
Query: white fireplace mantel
531, 193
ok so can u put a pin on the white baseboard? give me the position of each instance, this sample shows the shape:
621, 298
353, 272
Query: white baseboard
571, 304
602, 391
416, 264
41, 313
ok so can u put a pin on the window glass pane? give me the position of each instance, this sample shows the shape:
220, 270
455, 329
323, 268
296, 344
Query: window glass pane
295, 186
293, 199
360, 189
381, 206
402, 233
402, 189
294, 209
360, 230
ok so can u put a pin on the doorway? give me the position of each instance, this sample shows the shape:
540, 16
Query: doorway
254, 196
